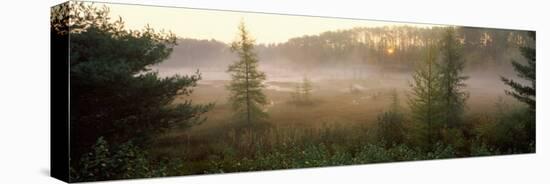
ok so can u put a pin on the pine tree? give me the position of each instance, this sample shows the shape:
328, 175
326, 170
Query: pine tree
395, 103
246, 85
297, 94
113, 93
524, 93
307, 87
424, 102
390, 123
302, 92
451, 79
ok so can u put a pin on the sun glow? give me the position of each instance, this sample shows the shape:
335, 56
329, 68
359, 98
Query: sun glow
390, 51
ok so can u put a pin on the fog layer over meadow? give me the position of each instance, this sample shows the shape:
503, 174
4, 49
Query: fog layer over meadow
365, 62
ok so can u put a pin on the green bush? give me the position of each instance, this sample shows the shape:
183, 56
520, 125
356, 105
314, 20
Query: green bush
482, 150
512, 130
390, 128
121, 162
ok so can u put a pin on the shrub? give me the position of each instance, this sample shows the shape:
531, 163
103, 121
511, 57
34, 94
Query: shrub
390, 128
513, 130
120, 162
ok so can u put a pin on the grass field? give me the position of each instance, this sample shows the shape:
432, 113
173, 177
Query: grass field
340, 121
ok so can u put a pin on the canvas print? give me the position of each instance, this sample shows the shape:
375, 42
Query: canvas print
168, 91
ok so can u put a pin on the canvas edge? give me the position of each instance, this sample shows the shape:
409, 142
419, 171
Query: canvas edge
59, 104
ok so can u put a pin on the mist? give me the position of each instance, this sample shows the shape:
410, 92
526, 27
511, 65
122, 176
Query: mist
356, 64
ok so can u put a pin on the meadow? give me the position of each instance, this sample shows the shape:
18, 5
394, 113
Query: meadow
339, 127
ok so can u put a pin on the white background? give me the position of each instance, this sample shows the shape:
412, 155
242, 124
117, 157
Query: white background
24, 92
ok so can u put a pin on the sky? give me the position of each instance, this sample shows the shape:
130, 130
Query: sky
222, 25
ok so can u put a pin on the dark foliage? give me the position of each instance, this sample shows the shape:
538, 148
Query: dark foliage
113, 92
451, 79
525, 93
390, 130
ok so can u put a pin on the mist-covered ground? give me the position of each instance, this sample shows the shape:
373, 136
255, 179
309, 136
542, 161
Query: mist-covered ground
346, 97
351, 89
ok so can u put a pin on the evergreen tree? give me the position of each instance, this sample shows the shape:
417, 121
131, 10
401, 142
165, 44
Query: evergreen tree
302, 92
451, 79
395, 102
246, 85
424, 102
113, 93
297, 94
390, 123
524, 93
307, 87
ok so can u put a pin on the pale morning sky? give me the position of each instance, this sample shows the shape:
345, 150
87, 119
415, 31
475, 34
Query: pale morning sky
222, 25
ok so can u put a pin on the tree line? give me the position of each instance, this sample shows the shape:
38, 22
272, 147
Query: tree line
390, 46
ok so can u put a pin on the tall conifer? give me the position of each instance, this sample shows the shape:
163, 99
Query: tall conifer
246, 85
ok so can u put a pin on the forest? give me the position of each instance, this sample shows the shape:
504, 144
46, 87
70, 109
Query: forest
150, 103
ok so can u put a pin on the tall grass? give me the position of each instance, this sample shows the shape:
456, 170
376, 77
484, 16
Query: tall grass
286, 147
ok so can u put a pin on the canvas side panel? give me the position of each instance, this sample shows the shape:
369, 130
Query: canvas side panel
59, 91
